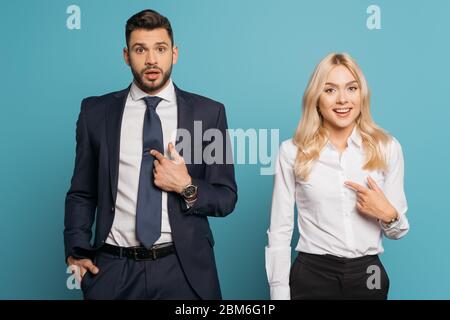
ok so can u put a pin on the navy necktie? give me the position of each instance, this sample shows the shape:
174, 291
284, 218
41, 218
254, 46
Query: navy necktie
148, 208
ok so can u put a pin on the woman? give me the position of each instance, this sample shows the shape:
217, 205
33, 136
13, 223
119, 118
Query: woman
345, 174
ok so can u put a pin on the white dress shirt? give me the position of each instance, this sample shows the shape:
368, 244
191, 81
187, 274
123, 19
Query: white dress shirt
328, 220
123, 231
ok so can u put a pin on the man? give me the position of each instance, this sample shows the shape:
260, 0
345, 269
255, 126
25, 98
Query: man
152, 236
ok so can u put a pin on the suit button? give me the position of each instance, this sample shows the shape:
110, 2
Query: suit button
112, 209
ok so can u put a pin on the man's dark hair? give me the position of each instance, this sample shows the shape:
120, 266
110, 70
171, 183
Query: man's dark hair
148, 20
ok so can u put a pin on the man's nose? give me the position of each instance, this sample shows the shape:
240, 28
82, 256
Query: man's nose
151, 58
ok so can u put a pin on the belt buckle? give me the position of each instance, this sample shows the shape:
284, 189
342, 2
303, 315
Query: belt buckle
141, 255
150, 254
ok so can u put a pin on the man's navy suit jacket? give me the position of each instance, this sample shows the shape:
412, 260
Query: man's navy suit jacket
93, 190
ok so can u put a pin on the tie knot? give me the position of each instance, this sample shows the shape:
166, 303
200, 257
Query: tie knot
152, 102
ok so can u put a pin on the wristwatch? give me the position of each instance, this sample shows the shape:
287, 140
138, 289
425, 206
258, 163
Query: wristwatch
189, 192
390, 223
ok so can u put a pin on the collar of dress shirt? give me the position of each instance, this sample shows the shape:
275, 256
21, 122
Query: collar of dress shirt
355, 137
167, 94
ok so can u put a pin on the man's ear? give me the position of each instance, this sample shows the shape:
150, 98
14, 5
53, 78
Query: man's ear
174, 54
126, 56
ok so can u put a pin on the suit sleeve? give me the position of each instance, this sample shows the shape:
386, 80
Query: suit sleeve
217, 192
81, 199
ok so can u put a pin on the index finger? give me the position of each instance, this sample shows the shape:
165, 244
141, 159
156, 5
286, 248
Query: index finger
157, 155
355, 186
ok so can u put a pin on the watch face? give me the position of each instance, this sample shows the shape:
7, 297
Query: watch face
189, 191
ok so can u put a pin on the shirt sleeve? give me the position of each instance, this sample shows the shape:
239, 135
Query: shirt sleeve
278, 250
394, 191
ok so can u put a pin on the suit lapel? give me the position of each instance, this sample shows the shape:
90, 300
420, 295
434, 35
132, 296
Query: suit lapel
114, 114
185, 119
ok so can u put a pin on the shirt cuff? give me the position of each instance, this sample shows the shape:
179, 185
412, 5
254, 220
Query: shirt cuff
189, 204
397, 229
389, 226
394, 224
278, 265
280, 293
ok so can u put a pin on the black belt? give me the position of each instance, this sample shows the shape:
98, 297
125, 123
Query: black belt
140, 253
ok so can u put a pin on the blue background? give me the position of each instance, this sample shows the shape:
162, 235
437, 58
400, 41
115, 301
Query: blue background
256, 58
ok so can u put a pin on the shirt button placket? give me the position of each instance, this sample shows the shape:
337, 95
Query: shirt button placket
348, 222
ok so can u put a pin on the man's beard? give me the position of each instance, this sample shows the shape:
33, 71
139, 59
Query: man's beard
139, 78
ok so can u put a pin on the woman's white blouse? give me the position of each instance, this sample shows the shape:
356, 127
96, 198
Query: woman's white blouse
328, 220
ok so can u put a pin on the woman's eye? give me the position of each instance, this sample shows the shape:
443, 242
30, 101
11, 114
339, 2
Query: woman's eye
329, 90
352, 89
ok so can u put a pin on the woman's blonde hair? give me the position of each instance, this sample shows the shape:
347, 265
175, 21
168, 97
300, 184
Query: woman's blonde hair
310, 136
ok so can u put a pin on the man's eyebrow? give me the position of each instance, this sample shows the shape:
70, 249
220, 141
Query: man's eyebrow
335, 85
145, 46
139, 44
160, 43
